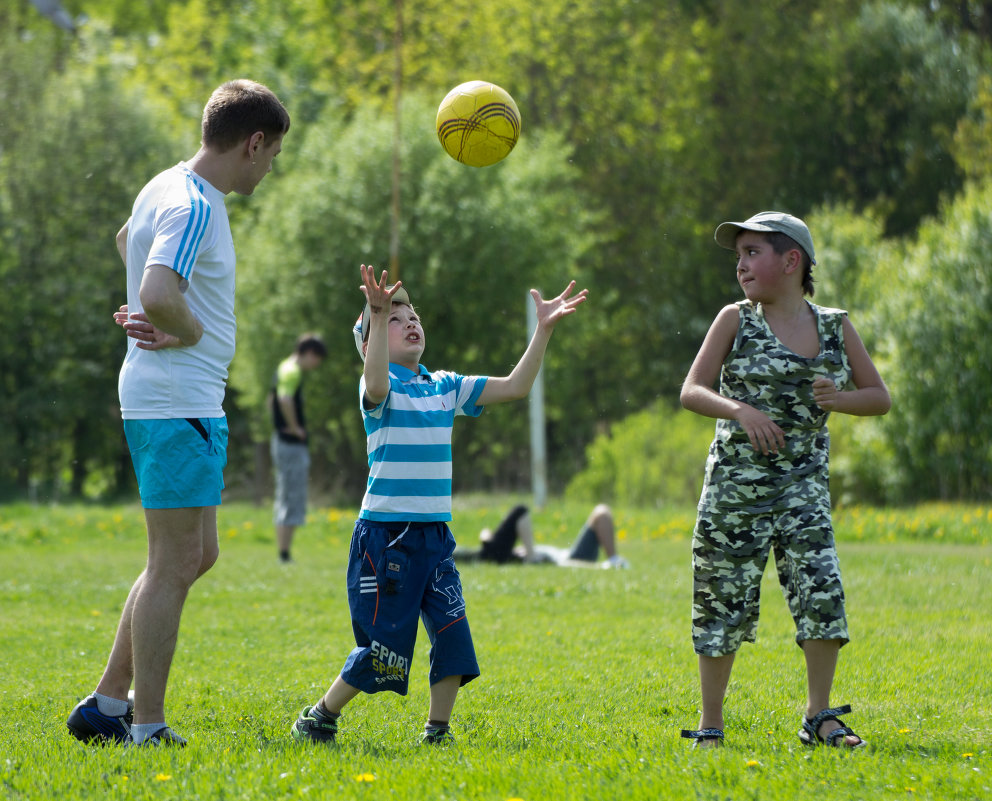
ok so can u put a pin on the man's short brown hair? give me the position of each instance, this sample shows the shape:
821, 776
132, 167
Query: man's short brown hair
239, 108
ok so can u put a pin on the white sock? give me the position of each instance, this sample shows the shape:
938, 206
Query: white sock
111, 707
142, 731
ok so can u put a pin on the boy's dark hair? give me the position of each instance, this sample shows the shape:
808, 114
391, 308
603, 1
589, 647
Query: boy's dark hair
311, 343
239, 108
780, 244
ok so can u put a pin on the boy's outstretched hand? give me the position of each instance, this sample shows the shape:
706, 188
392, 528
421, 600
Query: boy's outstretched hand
550, 311
378, 294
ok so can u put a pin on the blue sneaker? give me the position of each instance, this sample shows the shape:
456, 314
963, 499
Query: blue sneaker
87, 723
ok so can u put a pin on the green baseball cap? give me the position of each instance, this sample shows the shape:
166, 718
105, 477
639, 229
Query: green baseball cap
767, 222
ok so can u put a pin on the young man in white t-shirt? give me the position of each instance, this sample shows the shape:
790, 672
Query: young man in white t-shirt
180, 263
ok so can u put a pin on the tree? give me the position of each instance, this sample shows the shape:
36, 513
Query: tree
82, 150
973, 138
670, 116
895, 89
939, 316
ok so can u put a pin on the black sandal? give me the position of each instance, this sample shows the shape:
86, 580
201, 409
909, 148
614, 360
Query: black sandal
809, 734
699, 736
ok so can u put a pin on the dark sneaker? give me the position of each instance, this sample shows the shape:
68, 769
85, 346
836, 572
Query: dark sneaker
437, 737
163, 737
312, 727
87, 723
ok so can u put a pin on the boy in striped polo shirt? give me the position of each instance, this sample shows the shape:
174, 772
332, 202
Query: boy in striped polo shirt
401, 566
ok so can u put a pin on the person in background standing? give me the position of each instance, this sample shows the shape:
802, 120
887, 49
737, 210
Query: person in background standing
290, 452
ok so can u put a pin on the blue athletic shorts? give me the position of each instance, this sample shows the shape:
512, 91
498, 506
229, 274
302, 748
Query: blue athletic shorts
397, 576
179, 463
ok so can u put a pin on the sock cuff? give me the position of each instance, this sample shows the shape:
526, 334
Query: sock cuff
111, 707
321, 711
142, 731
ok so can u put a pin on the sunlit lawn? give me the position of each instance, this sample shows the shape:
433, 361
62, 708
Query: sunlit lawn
588, 675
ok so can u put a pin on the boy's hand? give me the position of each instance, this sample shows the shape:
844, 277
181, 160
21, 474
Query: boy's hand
549, 312
765, 435
378, 296
825, 394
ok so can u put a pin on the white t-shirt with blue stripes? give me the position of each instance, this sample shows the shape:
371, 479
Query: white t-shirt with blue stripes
180, 221
409, 443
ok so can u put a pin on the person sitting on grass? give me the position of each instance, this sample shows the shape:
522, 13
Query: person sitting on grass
400, 567
513, 543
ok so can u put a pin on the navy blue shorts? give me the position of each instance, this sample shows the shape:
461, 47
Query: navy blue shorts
397, 576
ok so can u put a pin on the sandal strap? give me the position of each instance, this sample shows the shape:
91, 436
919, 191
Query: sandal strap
836, 734
703, 734
812, 725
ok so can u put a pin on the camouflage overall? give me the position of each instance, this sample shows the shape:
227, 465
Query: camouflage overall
751, 503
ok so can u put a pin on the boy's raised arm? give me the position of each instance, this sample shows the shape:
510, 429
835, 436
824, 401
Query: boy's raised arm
379, 298
520, 380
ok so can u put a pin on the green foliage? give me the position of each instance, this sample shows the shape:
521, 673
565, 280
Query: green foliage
76, 153
644, 125
973, 138
651, 458
895, 85
939, 318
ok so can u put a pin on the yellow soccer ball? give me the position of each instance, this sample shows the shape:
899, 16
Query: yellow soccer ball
478, 123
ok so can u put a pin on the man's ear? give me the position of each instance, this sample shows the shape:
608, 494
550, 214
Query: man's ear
255, 143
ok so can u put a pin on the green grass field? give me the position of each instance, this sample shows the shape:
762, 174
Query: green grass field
587, 675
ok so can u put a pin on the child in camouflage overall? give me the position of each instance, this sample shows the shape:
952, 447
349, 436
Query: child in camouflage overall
783, 365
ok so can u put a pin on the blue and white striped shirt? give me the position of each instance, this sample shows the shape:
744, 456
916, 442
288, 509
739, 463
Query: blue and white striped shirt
409, 443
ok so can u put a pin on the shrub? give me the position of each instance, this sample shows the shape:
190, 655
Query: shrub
654, 457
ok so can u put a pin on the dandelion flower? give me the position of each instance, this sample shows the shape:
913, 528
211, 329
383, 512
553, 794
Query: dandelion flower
753, 763
163, 777
365, 777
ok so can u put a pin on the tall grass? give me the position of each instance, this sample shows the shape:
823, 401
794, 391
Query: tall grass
587, 675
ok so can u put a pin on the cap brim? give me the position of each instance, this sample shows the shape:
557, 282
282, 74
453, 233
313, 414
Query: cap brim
726, 233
